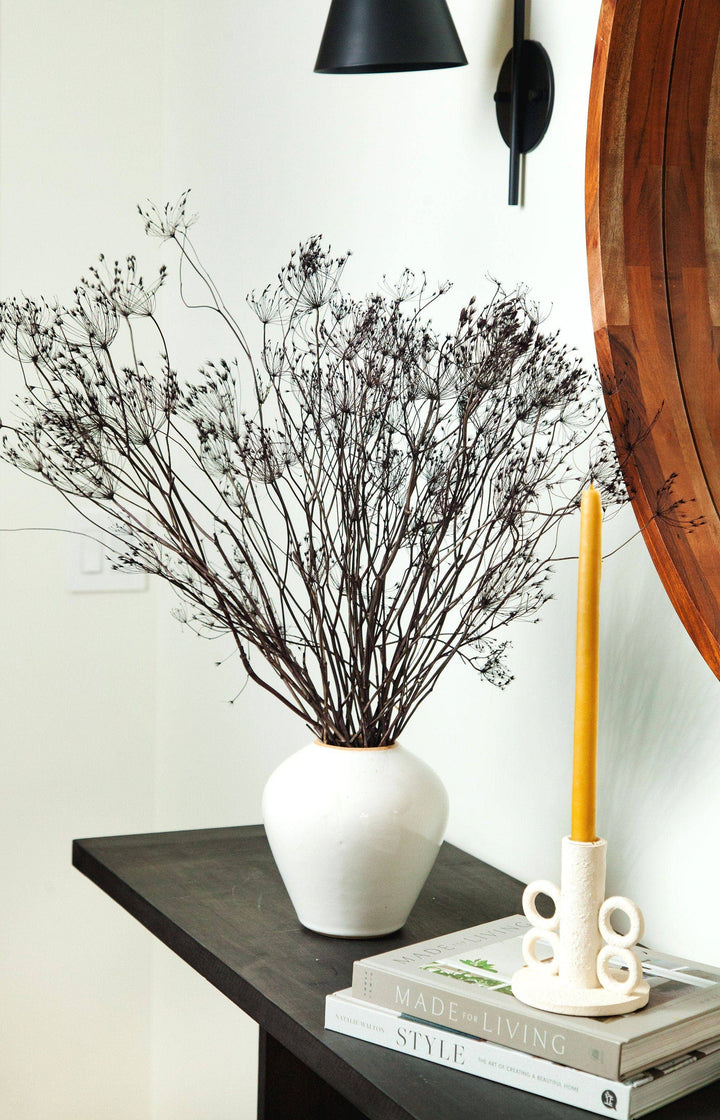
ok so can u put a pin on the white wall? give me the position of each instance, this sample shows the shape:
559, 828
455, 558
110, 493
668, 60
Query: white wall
404, 170
409, 169
80, 98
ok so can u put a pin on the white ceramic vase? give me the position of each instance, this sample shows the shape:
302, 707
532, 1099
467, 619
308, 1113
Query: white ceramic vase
354, 833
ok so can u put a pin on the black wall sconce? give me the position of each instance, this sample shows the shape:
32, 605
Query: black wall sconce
523, 98
381, 36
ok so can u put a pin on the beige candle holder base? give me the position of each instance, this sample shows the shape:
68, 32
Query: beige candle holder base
582, 977
548, 993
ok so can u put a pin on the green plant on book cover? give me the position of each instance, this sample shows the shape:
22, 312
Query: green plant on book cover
470, 977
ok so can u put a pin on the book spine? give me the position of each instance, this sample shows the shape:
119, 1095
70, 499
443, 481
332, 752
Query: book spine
478, 1058
553, 1038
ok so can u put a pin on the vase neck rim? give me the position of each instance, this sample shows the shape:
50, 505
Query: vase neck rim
337, 747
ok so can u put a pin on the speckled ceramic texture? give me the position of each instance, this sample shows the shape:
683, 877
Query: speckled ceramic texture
581, 978
582, 890
354, 833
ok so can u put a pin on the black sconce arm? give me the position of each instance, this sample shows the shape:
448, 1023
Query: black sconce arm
524, 97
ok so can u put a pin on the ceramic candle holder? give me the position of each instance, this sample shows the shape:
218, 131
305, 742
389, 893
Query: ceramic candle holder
582, 977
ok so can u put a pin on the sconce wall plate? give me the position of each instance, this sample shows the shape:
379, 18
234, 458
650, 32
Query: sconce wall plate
537, 92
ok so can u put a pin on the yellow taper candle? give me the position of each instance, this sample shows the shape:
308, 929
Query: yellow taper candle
586, 669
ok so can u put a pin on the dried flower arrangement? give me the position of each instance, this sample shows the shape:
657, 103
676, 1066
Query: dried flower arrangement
362, 501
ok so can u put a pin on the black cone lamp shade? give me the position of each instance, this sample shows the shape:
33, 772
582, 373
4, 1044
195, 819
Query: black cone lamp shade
378, 36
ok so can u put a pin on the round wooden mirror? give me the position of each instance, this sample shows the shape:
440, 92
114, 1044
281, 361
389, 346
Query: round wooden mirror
653, 236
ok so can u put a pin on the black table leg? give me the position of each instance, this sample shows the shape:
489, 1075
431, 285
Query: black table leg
290, 1090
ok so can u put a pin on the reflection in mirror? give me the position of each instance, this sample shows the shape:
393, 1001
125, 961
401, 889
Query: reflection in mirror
653, 233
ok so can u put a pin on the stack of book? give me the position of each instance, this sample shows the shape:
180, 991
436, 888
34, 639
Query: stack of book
449, 1001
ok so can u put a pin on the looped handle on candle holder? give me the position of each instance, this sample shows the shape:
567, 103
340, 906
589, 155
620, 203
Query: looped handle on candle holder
530, 894
543, 928
618, 946
618, 981
551, 964
631, 912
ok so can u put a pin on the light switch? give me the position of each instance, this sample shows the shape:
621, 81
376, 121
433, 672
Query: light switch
90, 564
91, 557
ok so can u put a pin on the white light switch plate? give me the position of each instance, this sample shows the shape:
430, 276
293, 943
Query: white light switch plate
90, 564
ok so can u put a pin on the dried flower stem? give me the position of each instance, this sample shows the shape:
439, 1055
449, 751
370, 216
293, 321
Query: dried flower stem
389, 497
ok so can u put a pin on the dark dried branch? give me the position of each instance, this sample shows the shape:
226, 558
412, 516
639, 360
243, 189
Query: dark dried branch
361, 499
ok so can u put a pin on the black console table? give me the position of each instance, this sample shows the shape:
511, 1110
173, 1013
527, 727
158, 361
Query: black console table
215, 898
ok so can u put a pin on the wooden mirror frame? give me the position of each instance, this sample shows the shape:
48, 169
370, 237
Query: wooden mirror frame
653, 241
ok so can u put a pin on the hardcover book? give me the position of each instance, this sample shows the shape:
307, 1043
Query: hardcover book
462, 981
625, 1100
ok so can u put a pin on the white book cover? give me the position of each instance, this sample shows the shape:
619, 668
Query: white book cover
462, 981
624, 1100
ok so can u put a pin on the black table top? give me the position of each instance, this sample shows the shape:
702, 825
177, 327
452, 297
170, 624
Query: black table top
216, 899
